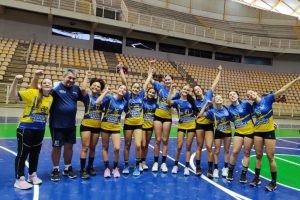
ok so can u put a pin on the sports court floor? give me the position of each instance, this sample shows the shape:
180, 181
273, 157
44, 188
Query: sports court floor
149, 185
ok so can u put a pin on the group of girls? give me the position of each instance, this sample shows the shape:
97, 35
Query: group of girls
149, 109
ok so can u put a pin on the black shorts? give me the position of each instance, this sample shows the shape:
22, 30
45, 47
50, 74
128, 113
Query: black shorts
60, 136
148, 129
221, 135
92, 130
132, 127
266, 135
205, 127
109, 131
243, 135
162, 120
186, 130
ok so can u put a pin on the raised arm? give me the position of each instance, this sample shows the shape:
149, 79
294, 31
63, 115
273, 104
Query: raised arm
213, 87
34, 84
287, 86
151, 63
101, 97
202, 111
123, 78
85, 83
13, 93
149, 78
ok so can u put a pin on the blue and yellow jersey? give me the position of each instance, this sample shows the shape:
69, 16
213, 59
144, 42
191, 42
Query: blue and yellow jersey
200, 103
241, 115
163, 109
92, 112
112, 109
34, 118
263, 112
134, 108
149, 108
221, 119
185, 114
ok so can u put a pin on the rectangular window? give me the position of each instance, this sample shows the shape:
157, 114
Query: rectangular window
106, 42
257, 60
140, 44
200, 53
71, 32
171, 48
228, 57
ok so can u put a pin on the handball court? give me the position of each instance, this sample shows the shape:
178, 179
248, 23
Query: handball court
150, 185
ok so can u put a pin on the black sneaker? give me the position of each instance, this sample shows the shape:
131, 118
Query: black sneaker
84, 175
209, 174
230, 175
198, 171
91, 171
55, 175
69, 173
271, 186
243, 178
256, 181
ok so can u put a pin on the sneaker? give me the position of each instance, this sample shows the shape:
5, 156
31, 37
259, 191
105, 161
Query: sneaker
136, 171
125, 170
145, 167
209, 174
91, 171
256, 181
198, 171
243, 178
69, 172
186, 171
107, 173
141, 167
34, 179
175, 169
55, 175
164, 168
155, 167
116, 173
22, 184
216, 173
225, 171
230, 175
271, 186
84, 175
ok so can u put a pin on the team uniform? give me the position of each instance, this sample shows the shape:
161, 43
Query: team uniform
134, 111
63, 114
221, 118
263, 111
241, 115
203, 122
186, 115
31, 129
92, 115
113, 108
163, 112
149, 108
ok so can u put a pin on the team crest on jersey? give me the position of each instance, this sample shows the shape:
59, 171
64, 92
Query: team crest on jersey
62, 91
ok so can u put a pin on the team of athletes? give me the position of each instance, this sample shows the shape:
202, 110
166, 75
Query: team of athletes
147, 108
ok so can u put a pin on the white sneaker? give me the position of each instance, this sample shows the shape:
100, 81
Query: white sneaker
145, 167
164, 168
186, 171
216, 173
175, 169
22, 184
34, 179
155, 167
225, 171
141, 167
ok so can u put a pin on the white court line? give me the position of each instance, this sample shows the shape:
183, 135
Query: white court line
229, 192
288, 141
287, 161
36, 188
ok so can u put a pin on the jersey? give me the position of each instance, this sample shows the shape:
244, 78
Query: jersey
163, 109
34, 118
221, 119
112, 109
241, 115
64, 107
185, 114
149, 108
134, 108
92, 112
263, 112
200, 103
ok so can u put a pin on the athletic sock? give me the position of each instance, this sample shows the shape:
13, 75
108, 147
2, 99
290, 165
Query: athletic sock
176, 162
225, 165
90, 162
215, 166
82, 163
137, 161
274, 176
164, 158
143, 159
106, 164
231, 167
126, 162
257, 172
67, 167
197, 163
210, 165
115, 165
244, 170
187, 164
155, 158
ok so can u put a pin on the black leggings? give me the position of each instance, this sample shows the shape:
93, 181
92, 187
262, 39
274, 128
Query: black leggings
29, 142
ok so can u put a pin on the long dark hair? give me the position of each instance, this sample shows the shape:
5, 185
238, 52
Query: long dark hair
99, 80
